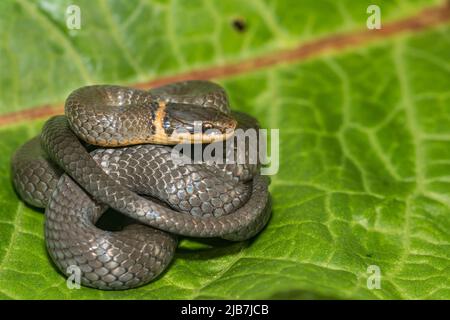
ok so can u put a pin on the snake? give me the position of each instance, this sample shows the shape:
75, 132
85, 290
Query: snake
112, 149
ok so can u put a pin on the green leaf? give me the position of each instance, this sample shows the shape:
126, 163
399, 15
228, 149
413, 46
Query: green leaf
364, 157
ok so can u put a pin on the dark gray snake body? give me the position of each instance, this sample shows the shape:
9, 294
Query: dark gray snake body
56, 171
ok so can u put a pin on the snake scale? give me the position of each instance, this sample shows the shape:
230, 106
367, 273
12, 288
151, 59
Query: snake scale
112, 149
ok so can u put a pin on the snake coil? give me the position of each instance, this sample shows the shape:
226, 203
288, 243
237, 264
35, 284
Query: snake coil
131, 170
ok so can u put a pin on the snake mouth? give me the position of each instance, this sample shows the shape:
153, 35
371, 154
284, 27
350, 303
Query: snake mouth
207, 137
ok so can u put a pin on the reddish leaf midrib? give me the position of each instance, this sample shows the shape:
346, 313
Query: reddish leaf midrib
425, 19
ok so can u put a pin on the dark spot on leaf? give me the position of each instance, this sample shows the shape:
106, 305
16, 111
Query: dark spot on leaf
239, 24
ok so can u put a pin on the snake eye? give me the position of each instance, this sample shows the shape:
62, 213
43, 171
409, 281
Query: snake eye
207, 125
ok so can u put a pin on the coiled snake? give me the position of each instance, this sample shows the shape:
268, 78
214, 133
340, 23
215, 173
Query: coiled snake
132, 171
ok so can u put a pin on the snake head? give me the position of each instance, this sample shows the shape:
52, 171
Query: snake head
197, 124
